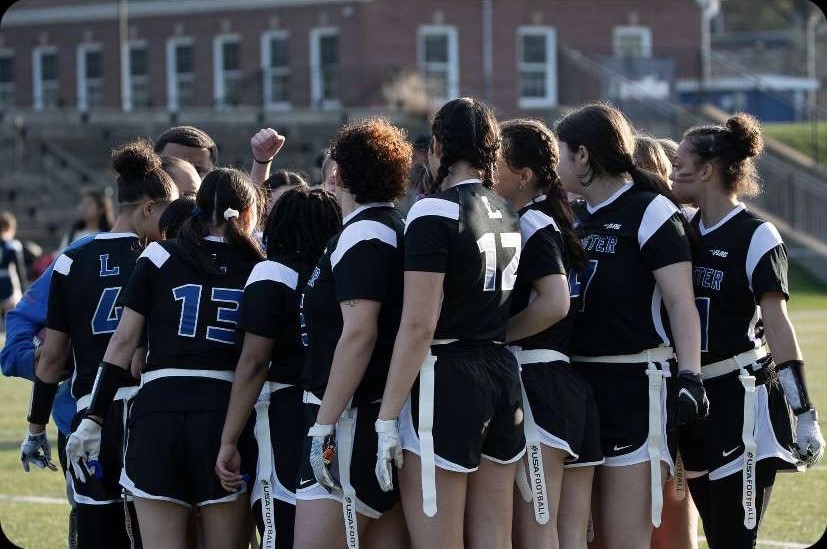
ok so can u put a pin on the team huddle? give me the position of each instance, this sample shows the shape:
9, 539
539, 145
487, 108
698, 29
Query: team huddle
550, 340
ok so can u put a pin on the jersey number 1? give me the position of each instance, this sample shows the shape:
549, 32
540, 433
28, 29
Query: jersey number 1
190, 297
487, 244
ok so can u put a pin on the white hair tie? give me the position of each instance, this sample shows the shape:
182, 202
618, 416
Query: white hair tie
229, 213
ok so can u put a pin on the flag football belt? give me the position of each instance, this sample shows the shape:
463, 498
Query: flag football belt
536, 493
223, 375
739, 363
124, 393
265, 474
653, 439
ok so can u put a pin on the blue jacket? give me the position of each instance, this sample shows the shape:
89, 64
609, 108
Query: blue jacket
22, 323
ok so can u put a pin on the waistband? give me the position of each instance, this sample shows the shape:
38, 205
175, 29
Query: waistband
124, 393
537, 356
733, 364
273, 386
310, 398
223, 375
656, 354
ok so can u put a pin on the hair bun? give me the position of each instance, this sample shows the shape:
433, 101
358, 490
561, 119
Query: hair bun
746, 134
135, 159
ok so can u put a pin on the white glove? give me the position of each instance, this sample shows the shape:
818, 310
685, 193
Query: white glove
809, 444
83, 449
35, 449
322, 455
388, 449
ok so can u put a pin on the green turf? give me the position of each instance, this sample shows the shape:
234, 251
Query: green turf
800, 136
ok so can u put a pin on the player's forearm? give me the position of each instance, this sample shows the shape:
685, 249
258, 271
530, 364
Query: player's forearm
250, 376
686, 333
409, 352
260, 172
540, 314
350, 362
779, 330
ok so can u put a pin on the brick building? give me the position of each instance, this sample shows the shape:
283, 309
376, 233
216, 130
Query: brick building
317, 55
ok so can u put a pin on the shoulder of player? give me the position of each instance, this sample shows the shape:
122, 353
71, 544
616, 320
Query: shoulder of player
764, 238
362, 231
656, 210
273, 271
159, 252
443, 205
534, 220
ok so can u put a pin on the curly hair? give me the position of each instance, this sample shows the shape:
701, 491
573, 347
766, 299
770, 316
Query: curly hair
468, 131
373, 157
140, 174
530, 144
732, 147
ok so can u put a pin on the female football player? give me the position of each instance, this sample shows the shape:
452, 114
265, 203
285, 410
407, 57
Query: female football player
561, 422
748, 342
297, 230
186, 295
350, 315
83, 313
453, 392
639, 269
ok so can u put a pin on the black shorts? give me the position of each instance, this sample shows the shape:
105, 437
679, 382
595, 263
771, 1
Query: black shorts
285, 415
371, 501
565, 411
621, 392
714, 446
108, 489
476, 398
170, 456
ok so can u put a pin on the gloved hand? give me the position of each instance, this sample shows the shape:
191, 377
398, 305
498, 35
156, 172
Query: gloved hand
388, 449
692, 402
83, 449
322, 454
35, 450
809, 444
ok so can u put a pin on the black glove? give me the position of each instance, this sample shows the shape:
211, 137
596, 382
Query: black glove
692, 402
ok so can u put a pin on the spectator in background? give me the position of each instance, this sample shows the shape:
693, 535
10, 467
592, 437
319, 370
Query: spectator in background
419, 176
95, 215
279, 183
329, 171
650, 155
190, 144
184, 175
670, 147
12, 267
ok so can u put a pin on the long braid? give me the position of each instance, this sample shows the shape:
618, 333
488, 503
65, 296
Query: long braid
301, 223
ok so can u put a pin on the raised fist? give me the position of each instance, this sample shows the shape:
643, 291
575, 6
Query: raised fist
266, 144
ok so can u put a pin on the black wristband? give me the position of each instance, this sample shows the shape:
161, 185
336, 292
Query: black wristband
791, 375
106, 385
43, 396
257, 161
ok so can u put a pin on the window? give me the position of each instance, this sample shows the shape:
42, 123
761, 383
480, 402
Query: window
90, 76
275, 67
439, 61
537, 65
227, 70
6, 79
46, 78
180, 73
632, 41
324, 67
139, 75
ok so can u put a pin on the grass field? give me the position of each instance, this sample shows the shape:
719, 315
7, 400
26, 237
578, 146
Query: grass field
800, 136
797, 514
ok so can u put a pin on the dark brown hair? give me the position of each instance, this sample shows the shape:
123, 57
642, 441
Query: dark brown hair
281, 178
188, 136
731, 147
301, 223
222, 188
175, 215
468, 131
140, 174
373, 157
530, 144
106, 217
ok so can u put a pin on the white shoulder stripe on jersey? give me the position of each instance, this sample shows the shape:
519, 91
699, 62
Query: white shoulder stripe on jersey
432, 206
360, 232
764, 239
156, 253
657, 213
274, 271
534, 220
63, 264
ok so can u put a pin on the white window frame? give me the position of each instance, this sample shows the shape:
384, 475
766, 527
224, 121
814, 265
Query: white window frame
316, 85
643, 31
218, 67
37, 69
83, 49
126, 72
267, 72
8, 52
172, 74
550, 67
451, 67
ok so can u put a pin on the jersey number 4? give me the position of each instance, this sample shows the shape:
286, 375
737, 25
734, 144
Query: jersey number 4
190, 297
107, 315
487, 244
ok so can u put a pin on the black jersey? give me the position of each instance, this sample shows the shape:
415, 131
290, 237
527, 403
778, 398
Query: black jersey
739, 259
544, 253
192, 323
473, 236
271, 309
627, 237
83, 300
363, 261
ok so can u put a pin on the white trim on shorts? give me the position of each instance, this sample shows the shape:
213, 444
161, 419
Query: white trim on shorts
576, 464
410, 441
129, 486
85, 500
504, 462
315, 491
